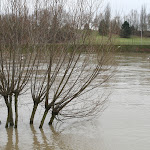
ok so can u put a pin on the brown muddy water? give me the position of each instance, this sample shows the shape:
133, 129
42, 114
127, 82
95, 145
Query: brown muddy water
124, 125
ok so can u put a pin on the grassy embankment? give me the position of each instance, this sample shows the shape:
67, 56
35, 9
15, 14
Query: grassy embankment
133, 44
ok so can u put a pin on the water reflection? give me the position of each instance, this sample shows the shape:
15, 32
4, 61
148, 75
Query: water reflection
40, 140
36, 144
12, 139
56, 137
51, 141
9, 144
17, 139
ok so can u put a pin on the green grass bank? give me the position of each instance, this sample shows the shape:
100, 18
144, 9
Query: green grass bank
132, 44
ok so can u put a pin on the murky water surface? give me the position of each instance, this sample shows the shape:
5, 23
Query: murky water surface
124, 125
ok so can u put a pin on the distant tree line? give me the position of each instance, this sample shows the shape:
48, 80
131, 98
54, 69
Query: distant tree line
137, 22
53, 23
46, 25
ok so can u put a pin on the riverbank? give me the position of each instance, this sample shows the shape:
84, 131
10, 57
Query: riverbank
85, 47
133, 44
119, 48
133, 48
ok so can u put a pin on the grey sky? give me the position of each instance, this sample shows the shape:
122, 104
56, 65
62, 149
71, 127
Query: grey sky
124, 6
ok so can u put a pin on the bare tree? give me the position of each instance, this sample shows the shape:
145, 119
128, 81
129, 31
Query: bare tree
95, 23
15, 72
134, 17
148, 21
16, 59
79, 73
107, 14
143, 19
70, 76
39, 80
104, 24
57, 54
116, 25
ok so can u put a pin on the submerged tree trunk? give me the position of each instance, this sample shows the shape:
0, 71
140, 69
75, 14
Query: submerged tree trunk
9, 110
52, 119
7, 122
43, 119
11, 121
33, 112
7, 104
16, 110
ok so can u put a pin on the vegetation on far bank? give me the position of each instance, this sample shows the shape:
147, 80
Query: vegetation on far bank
133, 40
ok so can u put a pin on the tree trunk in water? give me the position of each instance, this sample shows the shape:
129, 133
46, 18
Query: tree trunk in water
7, 104
33, 112
52, 119
6, 125
11, 121
16, 111
43, 119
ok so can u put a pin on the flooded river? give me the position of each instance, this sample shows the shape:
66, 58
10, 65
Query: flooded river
124, 125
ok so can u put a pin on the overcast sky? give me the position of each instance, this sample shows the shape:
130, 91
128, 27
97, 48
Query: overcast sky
124, 6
